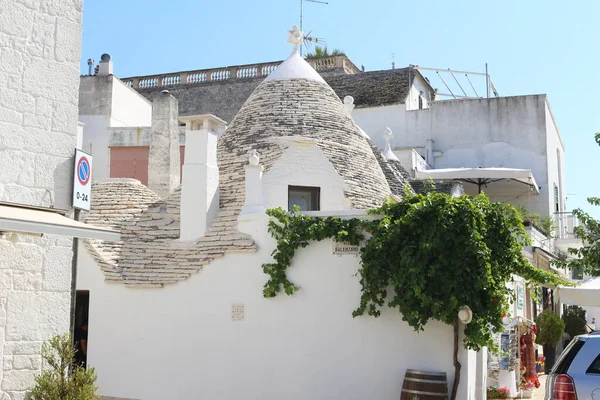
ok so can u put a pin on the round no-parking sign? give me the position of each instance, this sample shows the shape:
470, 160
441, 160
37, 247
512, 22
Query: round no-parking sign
83, 170
82, 185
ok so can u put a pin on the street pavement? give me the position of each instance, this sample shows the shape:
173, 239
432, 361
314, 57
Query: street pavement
538, 394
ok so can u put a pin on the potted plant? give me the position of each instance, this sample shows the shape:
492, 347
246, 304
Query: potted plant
495, 393
550, 328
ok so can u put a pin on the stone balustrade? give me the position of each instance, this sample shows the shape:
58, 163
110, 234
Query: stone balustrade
334, 63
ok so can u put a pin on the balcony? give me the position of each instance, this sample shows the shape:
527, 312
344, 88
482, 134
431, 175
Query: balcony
565, 236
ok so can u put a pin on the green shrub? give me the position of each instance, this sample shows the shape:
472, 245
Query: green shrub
60, 379
575, 321
550, 328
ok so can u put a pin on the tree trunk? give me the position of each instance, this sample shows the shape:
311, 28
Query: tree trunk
550, 354
457, 365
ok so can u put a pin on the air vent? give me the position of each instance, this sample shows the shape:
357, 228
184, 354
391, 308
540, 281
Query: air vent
237, 312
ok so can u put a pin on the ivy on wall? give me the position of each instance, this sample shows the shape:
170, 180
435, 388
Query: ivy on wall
426, 255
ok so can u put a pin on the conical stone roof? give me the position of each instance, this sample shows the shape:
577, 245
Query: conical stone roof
294, 101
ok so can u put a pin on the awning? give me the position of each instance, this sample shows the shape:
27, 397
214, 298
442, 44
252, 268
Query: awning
586, 294
37, 220
502, 177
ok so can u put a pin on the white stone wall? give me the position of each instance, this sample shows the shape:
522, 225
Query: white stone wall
512, 132
305, 346
304, 164
39, 77
374, 120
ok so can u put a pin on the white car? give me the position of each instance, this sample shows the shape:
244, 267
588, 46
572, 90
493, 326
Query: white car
576, 374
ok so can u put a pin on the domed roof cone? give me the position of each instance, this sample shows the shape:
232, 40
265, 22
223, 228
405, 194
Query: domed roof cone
294, 100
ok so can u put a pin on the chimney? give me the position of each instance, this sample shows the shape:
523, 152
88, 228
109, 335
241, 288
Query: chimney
105, 67
253, 203
164, 158
200, 188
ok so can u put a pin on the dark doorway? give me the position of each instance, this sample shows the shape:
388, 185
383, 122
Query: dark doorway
82, 307
80, 335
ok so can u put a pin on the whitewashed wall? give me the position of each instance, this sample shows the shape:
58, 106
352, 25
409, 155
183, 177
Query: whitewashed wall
374, 120
304, 164
180, 342
39, 77
418, 89
556, 156
512, 132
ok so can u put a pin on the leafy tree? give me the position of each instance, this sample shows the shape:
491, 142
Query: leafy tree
62, 380
575, 320
586, 258
550, 328
323, 52
436, 253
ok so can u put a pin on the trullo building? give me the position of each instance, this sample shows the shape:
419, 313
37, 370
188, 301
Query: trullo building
176, 309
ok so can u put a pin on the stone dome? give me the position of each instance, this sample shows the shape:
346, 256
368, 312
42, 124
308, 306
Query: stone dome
295, 101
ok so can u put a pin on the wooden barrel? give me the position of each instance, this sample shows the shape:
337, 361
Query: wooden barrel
424, 385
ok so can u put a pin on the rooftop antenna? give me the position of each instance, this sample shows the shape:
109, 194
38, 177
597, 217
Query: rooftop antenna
301, 16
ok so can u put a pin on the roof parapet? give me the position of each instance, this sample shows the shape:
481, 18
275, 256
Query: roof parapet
339, 63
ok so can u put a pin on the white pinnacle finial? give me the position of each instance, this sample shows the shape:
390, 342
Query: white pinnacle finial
388, 135
295, 37
254, 157
388, 153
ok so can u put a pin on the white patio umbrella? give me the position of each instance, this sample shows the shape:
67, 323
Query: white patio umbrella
586, 294
507, 177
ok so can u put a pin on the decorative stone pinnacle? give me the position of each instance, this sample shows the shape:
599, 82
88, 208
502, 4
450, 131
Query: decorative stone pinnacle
295, 37
387, 152
254, 157
388, 135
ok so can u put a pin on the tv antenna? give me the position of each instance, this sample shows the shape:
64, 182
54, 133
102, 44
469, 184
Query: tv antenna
308, 38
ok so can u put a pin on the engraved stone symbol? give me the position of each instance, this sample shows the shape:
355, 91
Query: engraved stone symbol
295, 37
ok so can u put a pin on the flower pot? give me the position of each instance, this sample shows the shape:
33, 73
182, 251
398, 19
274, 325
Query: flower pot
526, 394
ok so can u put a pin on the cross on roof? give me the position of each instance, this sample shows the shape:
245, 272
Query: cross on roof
295, 37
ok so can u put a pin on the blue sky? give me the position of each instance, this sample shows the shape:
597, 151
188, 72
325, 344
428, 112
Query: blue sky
531, 47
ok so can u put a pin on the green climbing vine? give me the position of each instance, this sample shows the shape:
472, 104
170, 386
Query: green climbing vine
425, 255
293, 230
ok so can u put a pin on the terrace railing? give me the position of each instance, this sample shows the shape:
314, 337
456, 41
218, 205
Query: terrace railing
262, 70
